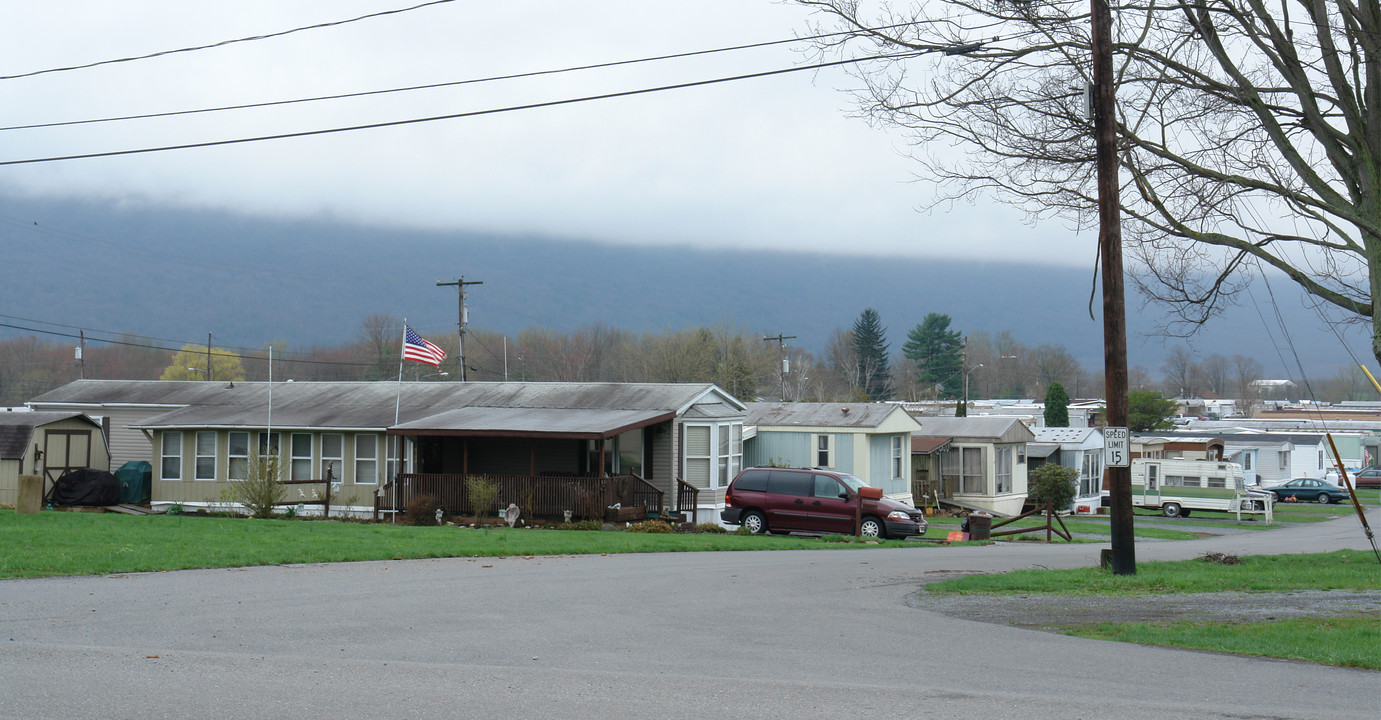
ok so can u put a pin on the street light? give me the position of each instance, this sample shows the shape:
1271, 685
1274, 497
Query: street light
967, 373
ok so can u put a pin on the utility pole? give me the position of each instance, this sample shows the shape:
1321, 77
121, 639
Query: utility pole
81, 353
208, 357
781, 366
464, 319
1119, 479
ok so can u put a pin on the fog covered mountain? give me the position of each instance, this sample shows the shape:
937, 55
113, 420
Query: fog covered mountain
177, 274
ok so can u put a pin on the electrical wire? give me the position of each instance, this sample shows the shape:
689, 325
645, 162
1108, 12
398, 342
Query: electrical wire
224, 43
474, 113
432, 86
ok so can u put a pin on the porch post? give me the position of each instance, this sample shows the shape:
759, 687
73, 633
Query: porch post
531, 455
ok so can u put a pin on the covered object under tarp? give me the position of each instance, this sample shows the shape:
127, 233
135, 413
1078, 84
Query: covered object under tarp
85, 486
134, 478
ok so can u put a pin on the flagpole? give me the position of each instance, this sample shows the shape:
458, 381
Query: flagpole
397, 403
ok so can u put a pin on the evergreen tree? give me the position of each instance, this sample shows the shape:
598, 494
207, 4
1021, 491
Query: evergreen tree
1056, 406
870, 352
938, 353
1148, 410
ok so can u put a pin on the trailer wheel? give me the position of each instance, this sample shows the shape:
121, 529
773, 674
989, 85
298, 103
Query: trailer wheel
1171, 510
1184, 512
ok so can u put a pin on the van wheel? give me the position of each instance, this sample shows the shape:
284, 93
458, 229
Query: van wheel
1325, 498
754, 521
872, 527
1171, 509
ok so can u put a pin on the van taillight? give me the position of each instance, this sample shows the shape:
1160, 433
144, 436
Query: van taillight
728, 499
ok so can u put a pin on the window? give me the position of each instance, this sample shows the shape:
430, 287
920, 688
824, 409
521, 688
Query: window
171, 466
333, 455
205, 467
1247, 461
1284, 459
395, 447
268, 445
1002, 458
827, 487
301, 457
971, 470
237, 449
730, 456
897, 457
823, 452
697, 455
1218, 481
366, 459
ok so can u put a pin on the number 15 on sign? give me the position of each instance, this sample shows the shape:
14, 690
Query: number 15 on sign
1117, 447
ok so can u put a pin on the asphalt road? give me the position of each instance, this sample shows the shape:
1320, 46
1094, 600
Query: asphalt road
805, 634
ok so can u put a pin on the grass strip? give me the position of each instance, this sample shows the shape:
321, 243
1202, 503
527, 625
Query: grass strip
1342, 570
69, 543
1346, 641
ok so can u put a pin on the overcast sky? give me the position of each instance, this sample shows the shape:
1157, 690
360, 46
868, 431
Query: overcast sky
765, 164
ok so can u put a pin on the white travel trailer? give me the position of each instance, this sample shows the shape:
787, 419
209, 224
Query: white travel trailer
1177, 487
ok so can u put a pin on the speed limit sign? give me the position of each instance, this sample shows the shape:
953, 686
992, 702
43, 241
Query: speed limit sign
1117, 447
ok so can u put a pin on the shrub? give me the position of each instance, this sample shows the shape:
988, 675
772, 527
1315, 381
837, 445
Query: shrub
711, 528
261, 490
484, 494
743, 531
651, 526
422, 510
1054, 483
581, 525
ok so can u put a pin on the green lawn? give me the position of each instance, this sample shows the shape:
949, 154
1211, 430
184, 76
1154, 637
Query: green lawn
68, 543
1346, 639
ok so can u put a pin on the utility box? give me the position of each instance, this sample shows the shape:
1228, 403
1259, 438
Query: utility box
30, 495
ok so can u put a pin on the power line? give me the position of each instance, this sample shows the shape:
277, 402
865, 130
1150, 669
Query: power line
475, 113
433, 86
223, 43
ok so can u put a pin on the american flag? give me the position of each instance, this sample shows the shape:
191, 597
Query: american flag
415, 347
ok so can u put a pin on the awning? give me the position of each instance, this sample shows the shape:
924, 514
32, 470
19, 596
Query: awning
928, 445
579, 423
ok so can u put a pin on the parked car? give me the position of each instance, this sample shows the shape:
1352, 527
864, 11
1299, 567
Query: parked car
1308, 490
786, 500
1366, 477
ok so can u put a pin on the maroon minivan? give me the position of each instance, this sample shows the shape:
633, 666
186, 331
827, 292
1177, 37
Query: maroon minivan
785, 500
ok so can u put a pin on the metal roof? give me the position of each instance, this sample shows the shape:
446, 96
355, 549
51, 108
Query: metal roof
928, 445
369, 405
988, 427
1062, 434
1041, 450
820, 414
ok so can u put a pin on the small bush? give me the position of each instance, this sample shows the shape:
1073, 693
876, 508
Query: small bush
743, 531
484, 494
711, 528
581, 525
422, 510
1054, 483
651, 526
175, 509
261, 490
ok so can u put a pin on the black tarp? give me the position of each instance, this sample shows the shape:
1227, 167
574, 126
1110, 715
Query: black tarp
85, 487
134, 478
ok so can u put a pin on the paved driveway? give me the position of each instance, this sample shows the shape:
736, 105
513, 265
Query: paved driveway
814, 634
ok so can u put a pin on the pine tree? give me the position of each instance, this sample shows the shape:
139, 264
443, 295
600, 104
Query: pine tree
1056, 406
870, 351
938, 353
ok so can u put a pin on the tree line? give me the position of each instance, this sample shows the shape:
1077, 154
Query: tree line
858, 363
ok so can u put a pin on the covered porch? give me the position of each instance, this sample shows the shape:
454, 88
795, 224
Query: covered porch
596, 464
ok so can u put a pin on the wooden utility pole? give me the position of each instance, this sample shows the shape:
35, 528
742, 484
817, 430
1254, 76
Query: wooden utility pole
781, 361
464, 320
1119, 479
208, 357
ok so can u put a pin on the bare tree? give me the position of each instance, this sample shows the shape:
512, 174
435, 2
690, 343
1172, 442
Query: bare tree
1247, 133
1181, 373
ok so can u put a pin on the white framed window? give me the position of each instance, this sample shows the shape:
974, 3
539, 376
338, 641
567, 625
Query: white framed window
333, 455
237, 450
1284, 459
897, 457
698, 454
730, 455
268, 445
1002, 461
822, 451
170, 465
971, 470
205, 447
366, 459
397, 448
301, 457
1247, 461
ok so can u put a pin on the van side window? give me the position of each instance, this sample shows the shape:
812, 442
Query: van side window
752, 481
789, 483
827, 487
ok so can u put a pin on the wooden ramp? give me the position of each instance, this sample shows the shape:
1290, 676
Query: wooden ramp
127, 509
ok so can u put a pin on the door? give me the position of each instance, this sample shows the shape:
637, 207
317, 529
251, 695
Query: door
830, 513
786, 502
1152, 483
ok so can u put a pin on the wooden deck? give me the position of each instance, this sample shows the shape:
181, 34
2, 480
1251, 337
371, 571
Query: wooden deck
538, 496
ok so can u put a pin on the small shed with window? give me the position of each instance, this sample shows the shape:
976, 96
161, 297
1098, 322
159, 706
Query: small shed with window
869, 440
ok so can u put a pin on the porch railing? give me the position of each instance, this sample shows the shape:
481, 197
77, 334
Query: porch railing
549, 496
687, 498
